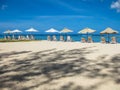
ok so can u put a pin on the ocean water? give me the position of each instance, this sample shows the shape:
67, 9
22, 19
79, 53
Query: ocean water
75, 37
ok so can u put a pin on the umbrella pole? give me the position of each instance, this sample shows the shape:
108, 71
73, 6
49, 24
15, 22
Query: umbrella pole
108, 38
87, 36
66, 37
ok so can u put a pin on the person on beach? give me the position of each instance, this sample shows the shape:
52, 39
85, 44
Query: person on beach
48, 38
113, 40
5, 38
61, 38
8, 38
90, 40
69, 39
83, 40
54, 38
103, 40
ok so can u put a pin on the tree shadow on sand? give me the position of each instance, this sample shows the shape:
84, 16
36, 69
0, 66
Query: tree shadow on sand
54, 65
6, 55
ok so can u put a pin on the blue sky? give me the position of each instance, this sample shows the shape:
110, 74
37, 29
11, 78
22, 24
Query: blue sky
72, 14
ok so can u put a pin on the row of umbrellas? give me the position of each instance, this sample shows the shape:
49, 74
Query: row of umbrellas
85, 31
19, 31
65, 30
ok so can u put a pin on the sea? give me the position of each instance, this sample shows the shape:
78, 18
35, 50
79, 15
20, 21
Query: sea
75, 37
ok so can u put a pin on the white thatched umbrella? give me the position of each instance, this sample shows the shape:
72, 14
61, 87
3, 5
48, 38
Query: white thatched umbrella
52, 30
86, 31
109, 31
8, 32
16, 31
31, 30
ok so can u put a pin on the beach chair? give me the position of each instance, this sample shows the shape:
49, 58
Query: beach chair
103, 40
23, 38
19, 37
61, 38
13, 37
69, 39
83, 40
32, 37
27, 37
5, 38
90, 40
113, 40
54, 38
48, 38
8, 38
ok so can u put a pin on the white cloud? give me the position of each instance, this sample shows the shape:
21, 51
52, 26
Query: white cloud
3, 7
116, 5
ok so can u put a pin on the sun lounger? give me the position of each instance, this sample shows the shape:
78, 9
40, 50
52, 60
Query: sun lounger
32, 37
113, 40
83, 40
54, 38
48, 38
27, 37
23, 38
90, 40
19, 37
8, 38
103, 40
69, 39
13, 37
61, 38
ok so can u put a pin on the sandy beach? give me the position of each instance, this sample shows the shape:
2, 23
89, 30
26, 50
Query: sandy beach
45, 65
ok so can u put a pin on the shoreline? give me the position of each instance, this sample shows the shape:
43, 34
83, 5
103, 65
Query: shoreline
55, 41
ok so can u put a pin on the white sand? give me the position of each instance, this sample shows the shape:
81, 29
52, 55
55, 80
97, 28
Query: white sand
44, 65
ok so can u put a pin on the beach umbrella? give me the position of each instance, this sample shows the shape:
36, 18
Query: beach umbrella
52, 30
16, 31
8, 32
86, 31
109, 31
31, 30
66, 30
